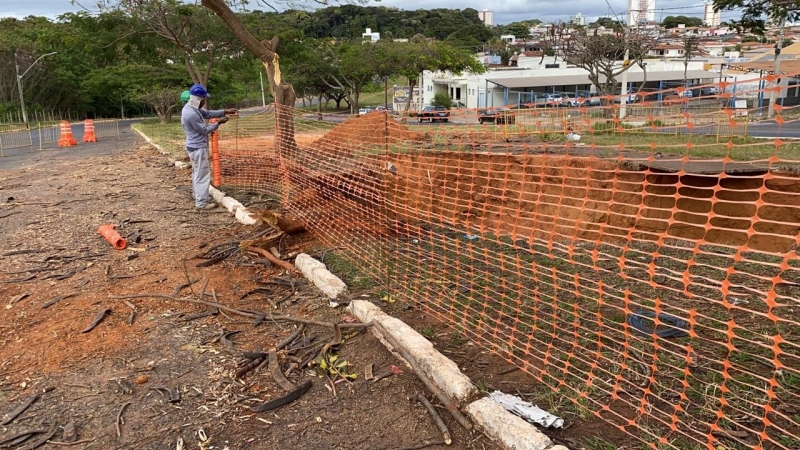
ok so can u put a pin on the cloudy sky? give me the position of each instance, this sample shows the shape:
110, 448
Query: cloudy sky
504, 10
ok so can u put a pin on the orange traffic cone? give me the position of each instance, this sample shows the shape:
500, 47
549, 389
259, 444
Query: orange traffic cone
88, 131
67, 140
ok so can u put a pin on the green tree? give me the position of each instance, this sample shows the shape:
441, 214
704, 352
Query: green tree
420, 55
674, 21
600, 55
755, 12
197, 38
442, 98
607, 22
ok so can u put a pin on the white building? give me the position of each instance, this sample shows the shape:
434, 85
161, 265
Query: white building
641, 11
508, 39
535, 78
711, 17
486, 17
578, 19
369, 36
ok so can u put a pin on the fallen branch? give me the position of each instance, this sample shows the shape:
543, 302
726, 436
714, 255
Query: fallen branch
10, 440
291, 337
285, 400
443, 398
97, 319
8, 418
272, 258
41, 441
436, 418
251, 315
58, 299
277, 374
84, 441
119, 421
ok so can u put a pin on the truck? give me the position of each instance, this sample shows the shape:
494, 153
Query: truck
433, 114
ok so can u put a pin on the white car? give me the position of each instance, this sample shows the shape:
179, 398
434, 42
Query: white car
363, 111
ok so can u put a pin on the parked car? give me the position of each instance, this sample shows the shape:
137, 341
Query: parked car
630, 98
434, 113
701, 91
549, 100
363, 111
497, 116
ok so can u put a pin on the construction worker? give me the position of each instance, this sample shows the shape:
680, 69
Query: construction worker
185, 95
193, 118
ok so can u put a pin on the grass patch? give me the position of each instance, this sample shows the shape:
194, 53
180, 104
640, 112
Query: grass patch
348, 271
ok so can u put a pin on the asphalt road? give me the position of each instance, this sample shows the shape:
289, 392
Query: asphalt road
20, 157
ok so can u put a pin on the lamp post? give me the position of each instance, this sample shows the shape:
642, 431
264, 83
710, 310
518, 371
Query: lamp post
19, 83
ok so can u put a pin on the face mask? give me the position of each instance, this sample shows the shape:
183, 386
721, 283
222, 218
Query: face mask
194, 101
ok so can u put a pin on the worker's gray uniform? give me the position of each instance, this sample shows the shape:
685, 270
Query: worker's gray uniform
194, 125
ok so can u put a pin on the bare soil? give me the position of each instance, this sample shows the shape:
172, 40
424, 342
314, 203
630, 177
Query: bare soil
53, 208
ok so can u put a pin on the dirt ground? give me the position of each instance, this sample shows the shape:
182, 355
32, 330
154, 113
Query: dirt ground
104, 381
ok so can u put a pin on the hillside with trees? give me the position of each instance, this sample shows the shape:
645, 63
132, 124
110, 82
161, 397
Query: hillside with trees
109, 64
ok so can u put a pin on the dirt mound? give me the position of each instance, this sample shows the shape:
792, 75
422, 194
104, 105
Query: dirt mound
551, 197
365, 133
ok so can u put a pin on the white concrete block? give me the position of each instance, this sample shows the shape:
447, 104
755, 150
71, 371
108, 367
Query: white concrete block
511, 431
442, 371
322, 278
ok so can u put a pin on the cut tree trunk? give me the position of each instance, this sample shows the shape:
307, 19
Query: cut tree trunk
282, 91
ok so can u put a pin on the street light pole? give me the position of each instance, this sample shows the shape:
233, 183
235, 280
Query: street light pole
19, 83
777, 68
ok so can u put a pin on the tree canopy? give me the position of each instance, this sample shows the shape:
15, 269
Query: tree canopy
674, 21
106, 59
756, 12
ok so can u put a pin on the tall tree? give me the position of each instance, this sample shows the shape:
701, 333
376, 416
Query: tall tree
755, 12
266, 52
691, 48
421, 54
604, 56
199, 40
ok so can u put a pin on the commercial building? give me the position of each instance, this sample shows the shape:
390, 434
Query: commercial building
535, 78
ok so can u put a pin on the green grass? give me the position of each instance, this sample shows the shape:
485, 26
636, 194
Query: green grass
167, 135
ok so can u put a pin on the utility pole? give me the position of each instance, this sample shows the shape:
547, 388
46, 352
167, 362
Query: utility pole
623, 102
776, 70
19, 84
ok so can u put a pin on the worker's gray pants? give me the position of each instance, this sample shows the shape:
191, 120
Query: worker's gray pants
201, 175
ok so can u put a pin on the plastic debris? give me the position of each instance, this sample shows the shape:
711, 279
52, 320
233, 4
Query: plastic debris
526, 410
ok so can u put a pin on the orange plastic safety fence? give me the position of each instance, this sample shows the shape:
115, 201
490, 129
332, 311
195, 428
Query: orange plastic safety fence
643, 270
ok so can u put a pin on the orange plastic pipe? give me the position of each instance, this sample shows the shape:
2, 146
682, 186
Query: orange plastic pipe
113, 238
216, 173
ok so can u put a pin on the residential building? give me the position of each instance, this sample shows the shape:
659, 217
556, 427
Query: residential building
711, 17
578, 19
641, 11
666, 50
370, 36
508, 39
486, 17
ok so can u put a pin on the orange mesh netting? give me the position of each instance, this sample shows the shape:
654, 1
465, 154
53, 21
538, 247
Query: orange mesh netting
562, 256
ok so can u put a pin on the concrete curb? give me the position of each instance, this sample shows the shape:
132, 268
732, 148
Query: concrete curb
318, 274
239, 211
442, 371
511, 431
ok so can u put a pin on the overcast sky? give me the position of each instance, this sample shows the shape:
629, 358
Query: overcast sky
504, 10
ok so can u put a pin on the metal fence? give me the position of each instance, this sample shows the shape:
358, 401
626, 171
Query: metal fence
15, 139
106, 128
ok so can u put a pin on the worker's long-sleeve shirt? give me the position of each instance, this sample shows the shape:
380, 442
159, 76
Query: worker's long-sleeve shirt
194, 125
